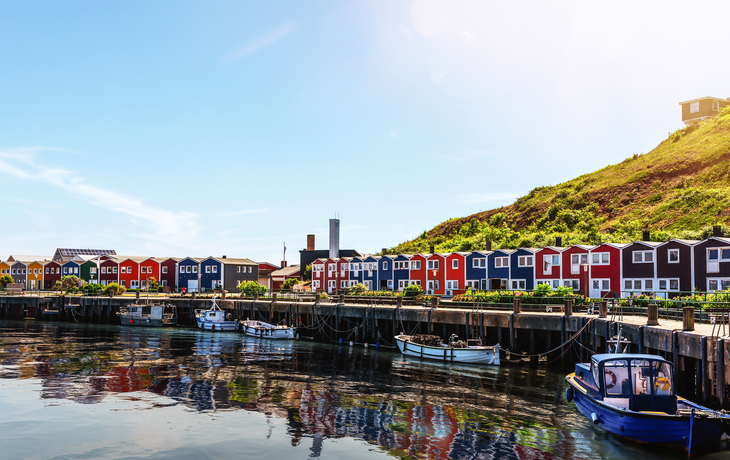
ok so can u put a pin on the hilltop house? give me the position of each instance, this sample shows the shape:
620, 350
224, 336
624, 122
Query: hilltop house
703, 107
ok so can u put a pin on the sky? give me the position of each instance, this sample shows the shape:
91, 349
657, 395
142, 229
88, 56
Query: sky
210, 128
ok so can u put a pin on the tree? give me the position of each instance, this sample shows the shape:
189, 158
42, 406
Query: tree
251, 287
70, 283
357, 289
290, 283
5, 280
152, 284
307, 275
414, 290
114, 288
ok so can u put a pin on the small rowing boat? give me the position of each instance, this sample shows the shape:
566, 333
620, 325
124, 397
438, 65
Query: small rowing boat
270, 331
431, 347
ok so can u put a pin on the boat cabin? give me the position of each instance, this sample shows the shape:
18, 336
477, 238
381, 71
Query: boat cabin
636, 382
145, 311
214, 316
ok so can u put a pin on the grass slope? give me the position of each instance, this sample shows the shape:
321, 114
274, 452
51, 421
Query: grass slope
678, 190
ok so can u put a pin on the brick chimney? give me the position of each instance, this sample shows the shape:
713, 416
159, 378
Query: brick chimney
310, 242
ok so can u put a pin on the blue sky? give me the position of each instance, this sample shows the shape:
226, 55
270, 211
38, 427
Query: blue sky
210, 128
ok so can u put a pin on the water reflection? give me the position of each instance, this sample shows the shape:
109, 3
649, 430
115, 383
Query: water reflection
408, 408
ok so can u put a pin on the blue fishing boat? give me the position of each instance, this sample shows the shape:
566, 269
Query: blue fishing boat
633, 396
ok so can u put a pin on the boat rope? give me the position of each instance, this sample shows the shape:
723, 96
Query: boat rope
571, 339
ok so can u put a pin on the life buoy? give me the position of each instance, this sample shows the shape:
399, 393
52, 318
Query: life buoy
662, 383
613, 380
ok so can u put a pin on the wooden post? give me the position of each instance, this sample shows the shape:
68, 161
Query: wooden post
705, 374
652, 313
274, 296
434, 302
720, 363
517, 305
688, 318
399, 302
562, 339
568, 307
512, 332
602, 309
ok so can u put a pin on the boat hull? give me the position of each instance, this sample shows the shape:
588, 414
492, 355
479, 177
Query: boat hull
217, 326
658, 429
127, 320
470, 355
267, 331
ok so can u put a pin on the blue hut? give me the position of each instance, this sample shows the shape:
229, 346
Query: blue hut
476, 269
370, 273
522, 273
187, 274
385, 272
211, 273
401, 271
498, 269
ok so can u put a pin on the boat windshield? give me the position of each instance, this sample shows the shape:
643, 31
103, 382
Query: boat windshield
651, 377
616, 377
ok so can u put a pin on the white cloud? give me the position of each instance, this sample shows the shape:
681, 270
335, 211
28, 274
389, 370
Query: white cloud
168, 227
269, 38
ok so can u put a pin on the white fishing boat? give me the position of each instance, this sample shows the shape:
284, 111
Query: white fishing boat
270, 331
148, 315
215, 319
471, 352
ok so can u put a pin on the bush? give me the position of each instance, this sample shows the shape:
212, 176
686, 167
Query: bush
251, 287
289, 284
357, 289
323, 296
414, 290
115, 288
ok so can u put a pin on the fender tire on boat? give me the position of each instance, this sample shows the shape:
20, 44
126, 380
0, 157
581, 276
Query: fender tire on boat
212, 327
202, 326
569, 394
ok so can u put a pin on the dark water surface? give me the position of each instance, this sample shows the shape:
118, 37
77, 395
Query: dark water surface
95, 391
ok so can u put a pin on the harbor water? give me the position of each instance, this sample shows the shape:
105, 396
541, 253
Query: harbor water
98, 391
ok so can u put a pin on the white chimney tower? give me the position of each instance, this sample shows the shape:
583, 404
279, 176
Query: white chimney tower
334, 238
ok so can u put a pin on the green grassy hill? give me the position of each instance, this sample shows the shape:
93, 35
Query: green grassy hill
678, 190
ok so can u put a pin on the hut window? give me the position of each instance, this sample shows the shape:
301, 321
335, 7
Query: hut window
694, 107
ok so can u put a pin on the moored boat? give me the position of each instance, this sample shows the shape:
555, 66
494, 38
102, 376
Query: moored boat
255, 328
633, 396
148, 315
215, 319
454, 351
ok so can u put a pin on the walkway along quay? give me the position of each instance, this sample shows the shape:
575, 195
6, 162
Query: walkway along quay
557, 337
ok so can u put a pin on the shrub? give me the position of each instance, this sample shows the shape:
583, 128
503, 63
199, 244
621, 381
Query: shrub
414, 290
357, 289
289, 283
251, 287
115, 288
